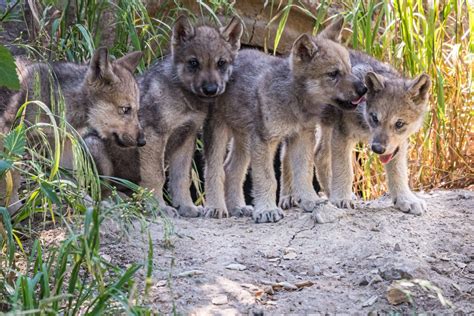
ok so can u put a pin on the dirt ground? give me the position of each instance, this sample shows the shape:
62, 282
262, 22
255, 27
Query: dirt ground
233, 266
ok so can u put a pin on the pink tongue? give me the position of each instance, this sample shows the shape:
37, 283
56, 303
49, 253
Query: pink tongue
385, 158
361, 99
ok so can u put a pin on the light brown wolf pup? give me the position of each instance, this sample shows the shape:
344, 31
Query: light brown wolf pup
394, 110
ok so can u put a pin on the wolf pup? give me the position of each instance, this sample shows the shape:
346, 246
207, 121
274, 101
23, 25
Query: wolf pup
102, 97
270, 100
394, 110
175, 95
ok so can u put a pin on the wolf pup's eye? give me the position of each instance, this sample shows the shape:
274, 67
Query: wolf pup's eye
193, 63
125, 110
333, 74
374, 118
399, 124
221, 63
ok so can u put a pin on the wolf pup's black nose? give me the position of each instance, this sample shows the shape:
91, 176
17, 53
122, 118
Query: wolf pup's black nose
361, 89
141, 141
378, 149
209, 89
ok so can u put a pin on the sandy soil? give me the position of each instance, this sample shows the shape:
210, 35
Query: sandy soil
233, 266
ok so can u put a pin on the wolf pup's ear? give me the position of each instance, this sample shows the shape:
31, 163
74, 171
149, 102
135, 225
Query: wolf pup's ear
419, 88
304, 48
374, 82
333, 30
100, 68
130, 61
182, 30
233, 32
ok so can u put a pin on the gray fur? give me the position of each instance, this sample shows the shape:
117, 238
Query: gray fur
271, 100
173, 106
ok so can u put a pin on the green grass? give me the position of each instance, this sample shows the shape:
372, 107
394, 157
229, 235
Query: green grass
71, 277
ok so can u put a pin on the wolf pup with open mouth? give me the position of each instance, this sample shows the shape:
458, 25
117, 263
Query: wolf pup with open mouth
394, 110
272, 100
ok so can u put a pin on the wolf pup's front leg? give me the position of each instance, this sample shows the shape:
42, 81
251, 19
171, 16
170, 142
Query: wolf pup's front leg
215, 141
341, 169
298, 156
152, 168
180, 162
397, 176
264, 182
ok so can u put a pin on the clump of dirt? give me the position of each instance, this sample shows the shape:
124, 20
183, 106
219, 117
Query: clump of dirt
354, 265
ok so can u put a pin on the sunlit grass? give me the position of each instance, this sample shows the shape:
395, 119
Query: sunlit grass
416, 36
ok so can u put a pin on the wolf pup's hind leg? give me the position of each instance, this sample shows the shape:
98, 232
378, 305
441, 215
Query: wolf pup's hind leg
322, 158
286, 176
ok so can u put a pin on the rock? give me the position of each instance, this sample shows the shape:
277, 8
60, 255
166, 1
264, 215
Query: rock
161, 283
236, 266
316, 270
397, 247
393, 273
364, 281
190, 273
290, 256
107, 258
220, 300
396, 296
371, 301
376, 279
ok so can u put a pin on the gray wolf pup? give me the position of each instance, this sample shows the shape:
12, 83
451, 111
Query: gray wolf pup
175, 96
273, 100
394, 110
102, 97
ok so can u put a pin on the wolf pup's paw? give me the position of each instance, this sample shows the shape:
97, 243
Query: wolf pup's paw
287, 202
215, 212
410, 204
268, 215
169, 211
343, 203
242, 211
326, 213
190, 211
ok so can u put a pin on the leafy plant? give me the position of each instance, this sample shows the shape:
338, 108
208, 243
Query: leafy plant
8, 76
